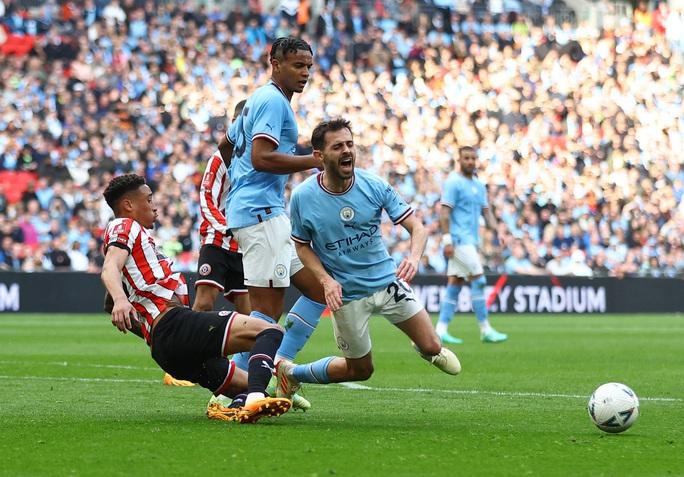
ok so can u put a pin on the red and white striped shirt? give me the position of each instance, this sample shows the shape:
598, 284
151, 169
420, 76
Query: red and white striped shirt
150, 283
213, 193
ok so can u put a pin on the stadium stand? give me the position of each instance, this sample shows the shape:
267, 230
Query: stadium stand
579, 129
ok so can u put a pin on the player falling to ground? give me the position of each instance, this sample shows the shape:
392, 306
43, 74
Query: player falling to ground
219, 268
188, 344
464, 199
263, 140
336, 226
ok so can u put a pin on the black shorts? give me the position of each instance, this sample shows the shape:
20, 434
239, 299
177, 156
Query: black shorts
221, 269
192, 345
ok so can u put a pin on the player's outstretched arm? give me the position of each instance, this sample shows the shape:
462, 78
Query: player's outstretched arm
409, 266
331, 288
122, 310
265, 158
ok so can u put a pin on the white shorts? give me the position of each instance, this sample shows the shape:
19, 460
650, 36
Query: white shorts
269, 257
397, 303
465, 262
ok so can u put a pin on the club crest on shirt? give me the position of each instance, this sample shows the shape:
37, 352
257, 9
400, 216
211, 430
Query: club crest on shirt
346, 213
204, 269
280, 271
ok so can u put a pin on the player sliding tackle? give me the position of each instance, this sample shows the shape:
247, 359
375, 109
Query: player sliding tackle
336, 227
188, 344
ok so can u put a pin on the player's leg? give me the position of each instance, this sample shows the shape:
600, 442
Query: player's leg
211, 273
350, 326
266, 275
449, 305
263, 340
305, 314
234, 286
205, 297
487, 333
401, 308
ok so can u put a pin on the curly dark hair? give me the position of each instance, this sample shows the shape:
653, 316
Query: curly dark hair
120, 186
318, 134
288, 44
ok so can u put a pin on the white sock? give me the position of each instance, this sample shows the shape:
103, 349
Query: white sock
485, 327
441, 328
251, 397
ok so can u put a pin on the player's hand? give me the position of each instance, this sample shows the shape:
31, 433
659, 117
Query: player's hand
448, 251
333, 294
407, 269
122, 313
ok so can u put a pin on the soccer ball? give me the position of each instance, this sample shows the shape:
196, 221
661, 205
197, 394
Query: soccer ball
613, 407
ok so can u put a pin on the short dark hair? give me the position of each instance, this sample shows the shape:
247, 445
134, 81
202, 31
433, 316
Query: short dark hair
239, 107
120, 186
288, 44
318, 134
463, 149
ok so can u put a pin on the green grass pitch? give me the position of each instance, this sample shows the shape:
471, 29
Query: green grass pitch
79, 398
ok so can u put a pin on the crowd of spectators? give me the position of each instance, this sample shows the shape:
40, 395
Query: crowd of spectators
579, 130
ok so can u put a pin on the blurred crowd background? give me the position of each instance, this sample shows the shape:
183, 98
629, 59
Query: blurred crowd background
579, 129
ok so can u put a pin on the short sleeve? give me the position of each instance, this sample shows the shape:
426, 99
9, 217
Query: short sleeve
231, 133
397, 209
449, 194
269, 116
299, 231
485, 202
122, 233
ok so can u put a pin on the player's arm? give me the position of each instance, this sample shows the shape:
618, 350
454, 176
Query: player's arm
136, 327
331, 288
226, 147
122, 310
210, 191
445, 226
490, 220
409, 266
265, 158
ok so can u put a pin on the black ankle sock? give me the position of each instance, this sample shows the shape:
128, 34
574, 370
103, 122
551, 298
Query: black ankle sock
239, 400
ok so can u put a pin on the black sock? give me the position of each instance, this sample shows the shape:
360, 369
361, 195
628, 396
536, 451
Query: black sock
261, 356
238, 401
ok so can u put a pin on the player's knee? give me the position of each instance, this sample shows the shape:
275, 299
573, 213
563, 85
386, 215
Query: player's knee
274, 332
202, 305
478, 284
361, 372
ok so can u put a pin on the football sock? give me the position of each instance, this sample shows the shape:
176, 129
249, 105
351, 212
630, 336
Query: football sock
448, 308
261, 361
479, 304
300, 323
238, 401
241, 360
316, 372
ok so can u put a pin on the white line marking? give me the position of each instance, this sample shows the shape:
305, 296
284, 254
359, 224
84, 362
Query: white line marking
83, 380
351, 386
356, 386
66, 364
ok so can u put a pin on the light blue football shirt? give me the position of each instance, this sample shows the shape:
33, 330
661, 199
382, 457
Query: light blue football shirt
267, 114
466, 198
344, 230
